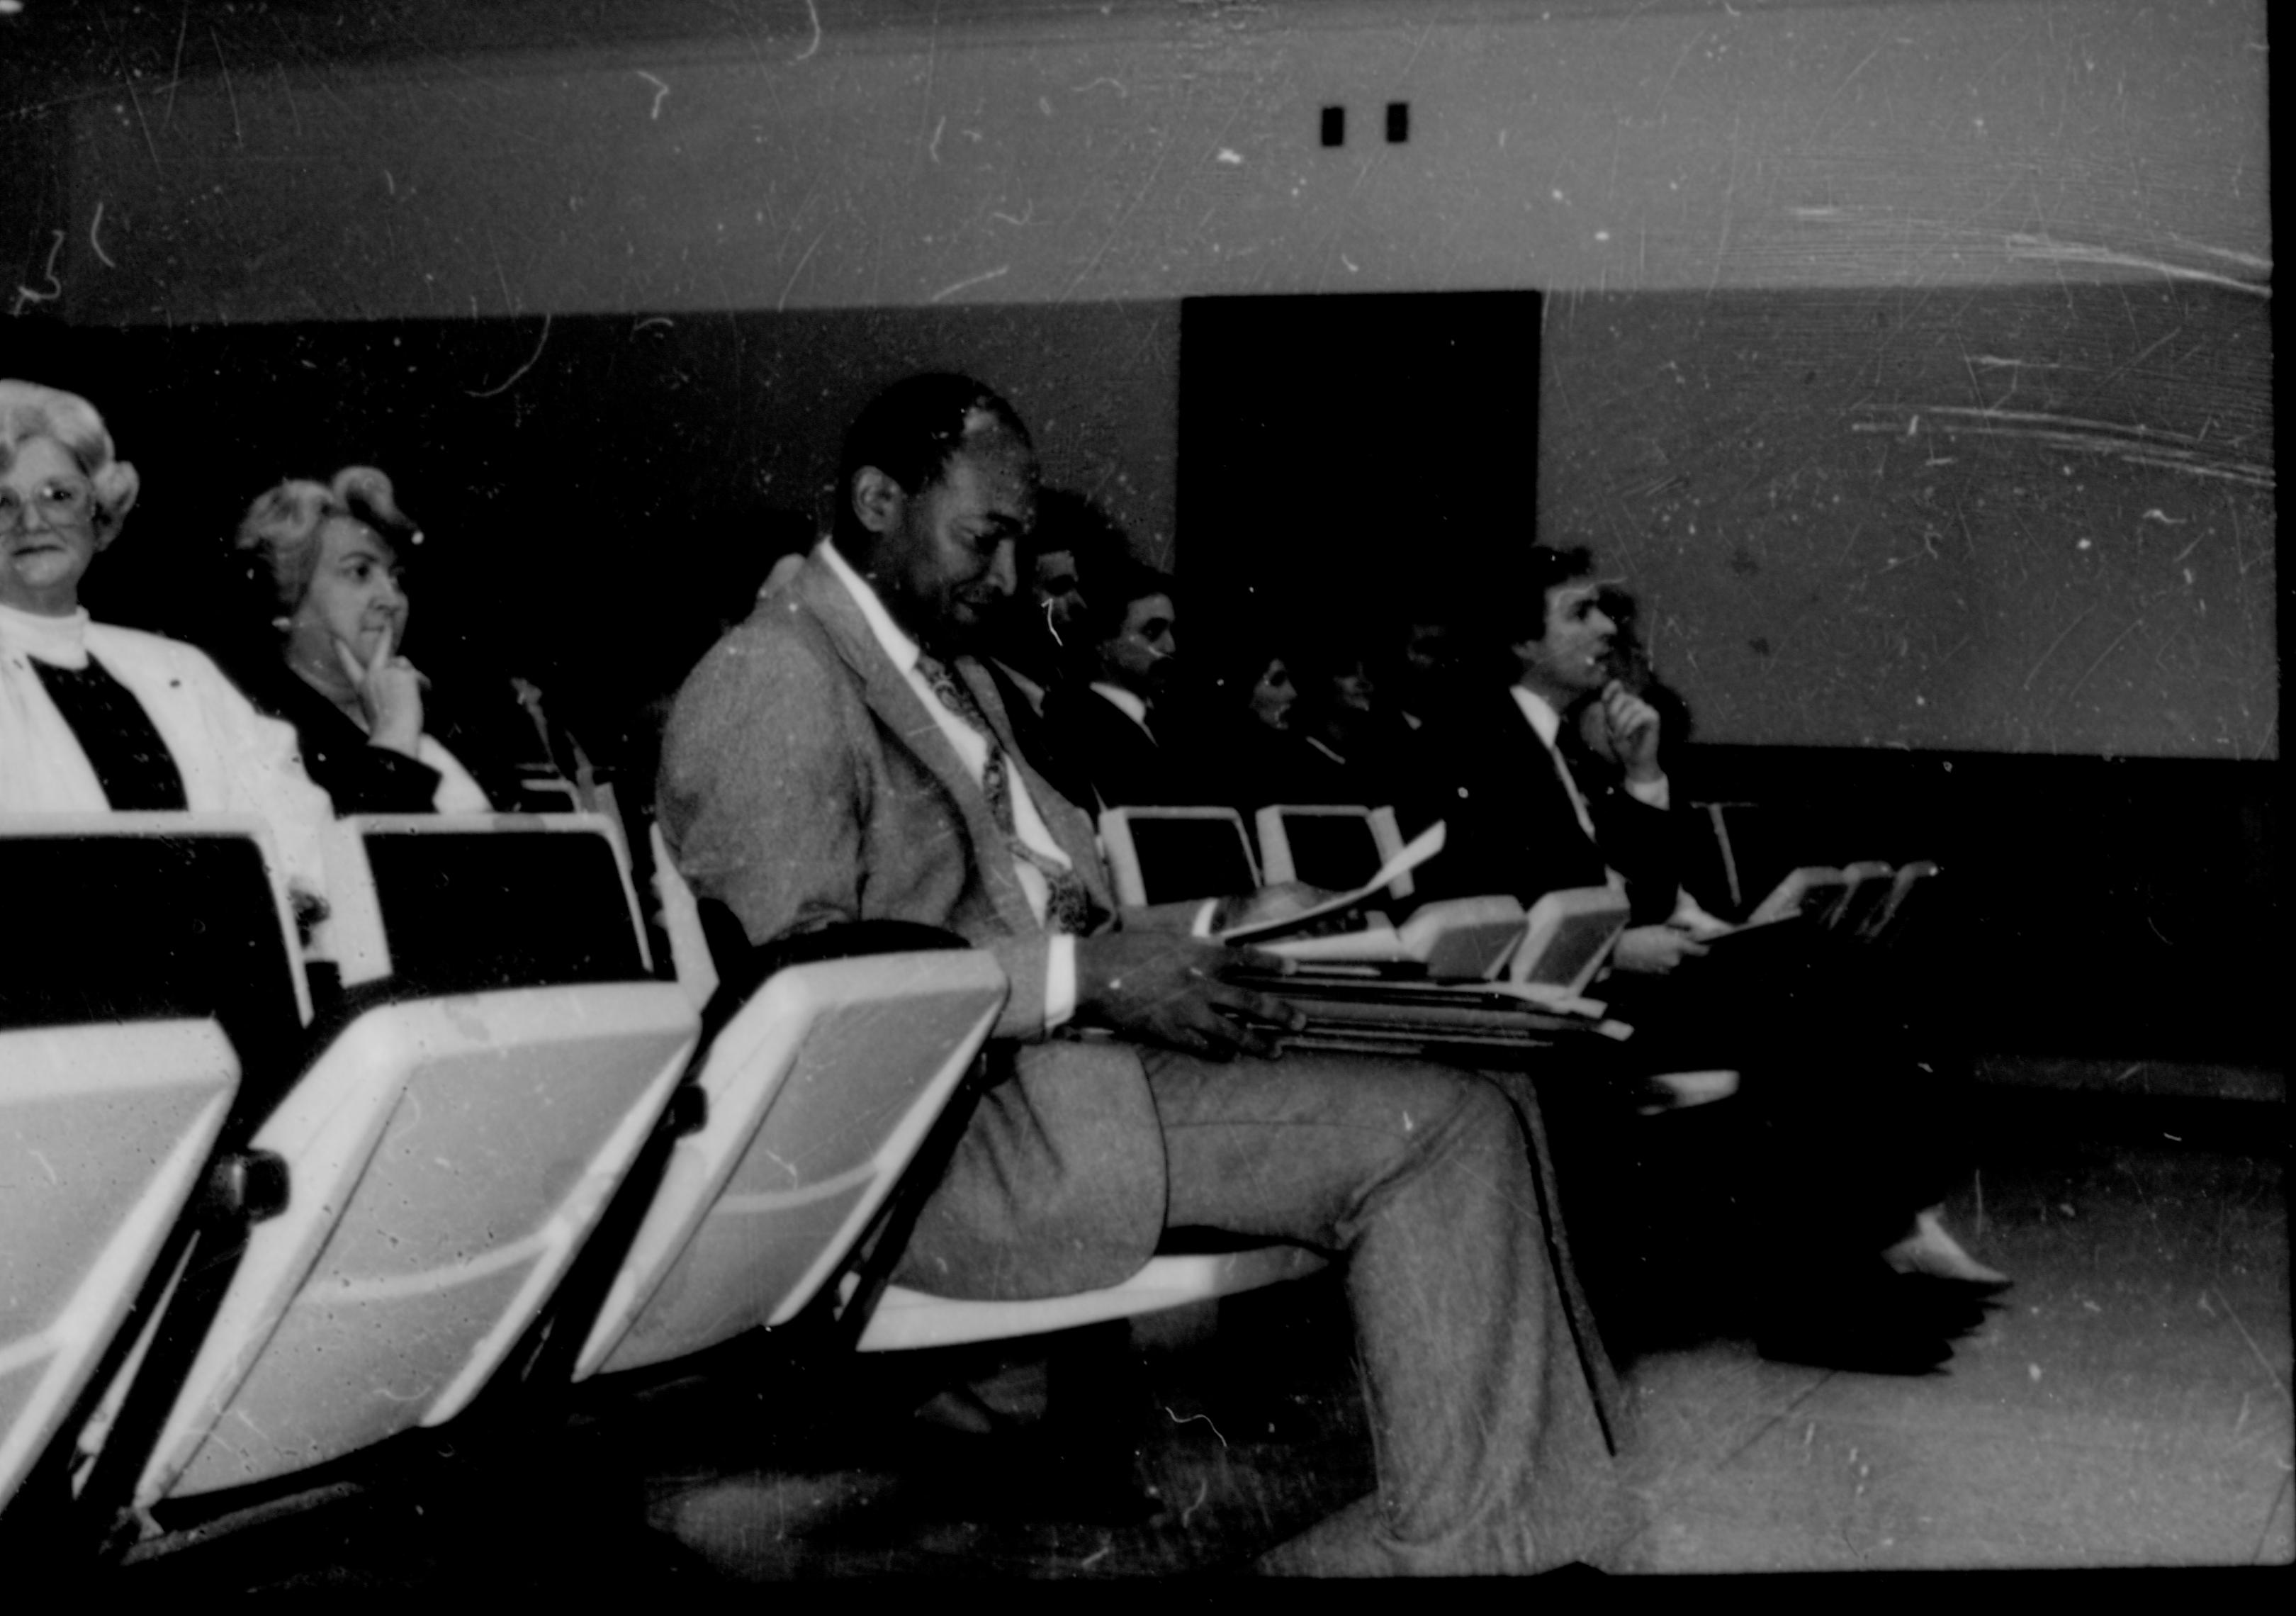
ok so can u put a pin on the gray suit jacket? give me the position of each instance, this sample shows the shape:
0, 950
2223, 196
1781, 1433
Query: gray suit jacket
804, 783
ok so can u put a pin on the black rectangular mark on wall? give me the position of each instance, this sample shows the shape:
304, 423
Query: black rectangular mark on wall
1335, 125
1398, 122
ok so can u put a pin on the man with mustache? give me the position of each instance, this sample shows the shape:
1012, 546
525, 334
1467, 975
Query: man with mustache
1115, 730
1518, 822
842, 756
1831, 1156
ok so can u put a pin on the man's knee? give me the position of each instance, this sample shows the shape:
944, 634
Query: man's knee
1466, 1115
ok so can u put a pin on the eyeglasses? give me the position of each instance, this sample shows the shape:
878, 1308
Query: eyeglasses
57, 505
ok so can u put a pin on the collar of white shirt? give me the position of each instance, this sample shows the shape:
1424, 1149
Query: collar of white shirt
1060, 978
895, 643
1541, 713
1131, 706
1027, 686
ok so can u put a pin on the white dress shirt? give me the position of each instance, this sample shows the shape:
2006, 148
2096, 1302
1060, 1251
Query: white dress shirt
1131, 705
972, 746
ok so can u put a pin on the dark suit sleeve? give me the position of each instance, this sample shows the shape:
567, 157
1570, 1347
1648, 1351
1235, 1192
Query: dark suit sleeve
1510, 825
1645, 845
1482, 854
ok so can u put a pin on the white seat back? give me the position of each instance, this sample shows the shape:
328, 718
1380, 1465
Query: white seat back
1173, 854
820, 1090
103, 1130
142, 937
447, 1157
449, 1149
1337, 848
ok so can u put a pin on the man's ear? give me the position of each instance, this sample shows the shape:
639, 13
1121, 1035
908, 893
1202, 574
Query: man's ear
877, 500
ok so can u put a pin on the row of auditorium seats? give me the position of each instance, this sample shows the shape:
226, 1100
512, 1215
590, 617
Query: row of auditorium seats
1167, 855
262, 1213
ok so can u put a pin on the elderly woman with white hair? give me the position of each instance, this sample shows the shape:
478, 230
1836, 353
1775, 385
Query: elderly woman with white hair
95, 716
329, 558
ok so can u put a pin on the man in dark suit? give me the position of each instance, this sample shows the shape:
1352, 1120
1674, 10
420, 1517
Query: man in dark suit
1836, 1166
1112, 730
1518, 821
841, 756
1037, 642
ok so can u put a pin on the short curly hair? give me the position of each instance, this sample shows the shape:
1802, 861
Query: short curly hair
28, 410
282, 528
910, 432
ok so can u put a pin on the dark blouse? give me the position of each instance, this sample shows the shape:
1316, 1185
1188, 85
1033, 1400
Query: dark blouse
495, 737
123, 747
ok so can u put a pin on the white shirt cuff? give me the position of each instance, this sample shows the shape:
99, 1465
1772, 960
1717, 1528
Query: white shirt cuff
1060, 981
1202, 927
1656, 792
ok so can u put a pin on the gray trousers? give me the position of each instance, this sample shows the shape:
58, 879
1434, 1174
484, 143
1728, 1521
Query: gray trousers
1490, 1459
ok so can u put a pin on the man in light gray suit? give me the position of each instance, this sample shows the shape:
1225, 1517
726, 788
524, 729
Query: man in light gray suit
841, 756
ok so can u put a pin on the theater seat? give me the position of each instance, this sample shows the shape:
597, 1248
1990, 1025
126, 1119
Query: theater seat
905, 1319
875, 1045
1870, 888
821, 1084
1810, 893
103, 1131
1177, 854
500, 1057
1338, 848
144, 937
1887, 922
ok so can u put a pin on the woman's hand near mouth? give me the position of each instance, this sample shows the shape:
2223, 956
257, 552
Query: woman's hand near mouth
390, 692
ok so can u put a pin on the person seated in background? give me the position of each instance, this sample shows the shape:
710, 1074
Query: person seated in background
1110, 727
95, 716
1256, 754
327, 559
1037, 638
1518, 822
1592, 757
1420, 680
1839, 1166
1039, 641
843, 757
1423, 675
1372, 690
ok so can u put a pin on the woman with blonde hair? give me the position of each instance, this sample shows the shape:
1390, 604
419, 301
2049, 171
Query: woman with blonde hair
95, 716
329, 558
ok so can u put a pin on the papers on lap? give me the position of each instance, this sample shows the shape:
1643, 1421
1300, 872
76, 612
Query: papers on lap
1420, 849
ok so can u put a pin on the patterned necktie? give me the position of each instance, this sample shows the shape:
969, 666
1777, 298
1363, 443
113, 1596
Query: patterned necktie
1069, 906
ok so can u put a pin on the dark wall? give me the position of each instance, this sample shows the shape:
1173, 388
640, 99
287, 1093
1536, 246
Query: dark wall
599, 494
2114, 909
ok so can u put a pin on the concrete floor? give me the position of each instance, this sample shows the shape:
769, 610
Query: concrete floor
2126, 1404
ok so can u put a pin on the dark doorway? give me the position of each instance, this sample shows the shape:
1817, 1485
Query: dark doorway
1341, 456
